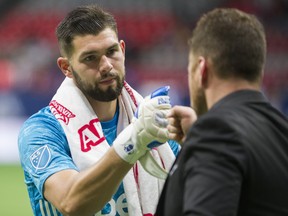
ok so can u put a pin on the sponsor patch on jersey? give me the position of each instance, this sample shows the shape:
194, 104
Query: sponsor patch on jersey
41, 157
61, 112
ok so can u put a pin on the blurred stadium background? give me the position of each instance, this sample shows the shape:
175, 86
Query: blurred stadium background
155, 32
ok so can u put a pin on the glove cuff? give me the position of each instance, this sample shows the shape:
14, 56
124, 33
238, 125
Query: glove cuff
125, 146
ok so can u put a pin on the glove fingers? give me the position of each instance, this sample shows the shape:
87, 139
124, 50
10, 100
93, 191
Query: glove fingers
160, 118
155, 124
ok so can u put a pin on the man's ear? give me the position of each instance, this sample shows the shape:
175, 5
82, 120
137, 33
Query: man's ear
202, 64
64, 65
122, 46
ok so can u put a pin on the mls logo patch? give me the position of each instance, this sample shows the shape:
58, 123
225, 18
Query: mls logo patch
40, 158
129, 148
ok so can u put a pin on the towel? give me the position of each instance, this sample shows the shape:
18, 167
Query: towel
88, 144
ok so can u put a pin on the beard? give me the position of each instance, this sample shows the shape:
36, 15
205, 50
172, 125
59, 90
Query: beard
197, 95
199, 103
95, 92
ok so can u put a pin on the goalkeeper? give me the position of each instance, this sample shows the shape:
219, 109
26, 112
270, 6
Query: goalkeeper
80, 154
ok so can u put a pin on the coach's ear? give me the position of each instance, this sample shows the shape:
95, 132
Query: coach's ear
202, 66
63, 64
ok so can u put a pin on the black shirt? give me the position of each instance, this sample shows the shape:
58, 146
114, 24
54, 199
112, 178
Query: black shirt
233, 162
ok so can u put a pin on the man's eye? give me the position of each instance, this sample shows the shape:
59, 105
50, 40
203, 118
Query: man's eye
111, 52
90, 58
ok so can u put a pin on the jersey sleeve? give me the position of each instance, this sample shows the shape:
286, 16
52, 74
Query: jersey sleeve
43, 148
174, 146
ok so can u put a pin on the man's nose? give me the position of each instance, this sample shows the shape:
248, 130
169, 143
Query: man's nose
105, 65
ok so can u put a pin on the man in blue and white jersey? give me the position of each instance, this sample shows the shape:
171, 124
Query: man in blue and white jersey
65, 149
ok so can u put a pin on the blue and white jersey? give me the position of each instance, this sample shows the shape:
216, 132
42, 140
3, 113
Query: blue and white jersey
44, 150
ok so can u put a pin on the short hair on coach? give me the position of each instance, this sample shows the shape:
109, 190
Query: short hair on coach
234, 41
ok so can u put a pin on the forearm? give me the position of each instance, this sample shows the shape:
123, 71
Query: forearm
86, 193
89, 190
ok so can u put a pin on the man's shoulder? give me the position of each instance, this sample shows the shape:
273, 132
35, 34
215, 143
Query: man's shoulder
41, 128
223, 120
42, 114
229, 113
42, 119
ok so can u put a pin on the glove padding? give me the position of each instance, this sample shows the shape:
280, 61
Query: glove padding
147, 130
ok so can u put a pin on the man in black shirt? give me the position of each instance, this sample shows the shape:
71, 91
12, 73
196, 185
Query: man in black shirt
234, 159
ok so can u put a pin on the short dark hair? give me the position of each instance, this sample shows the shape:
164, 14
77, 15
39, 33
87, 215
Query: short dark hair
233, 40
83, 20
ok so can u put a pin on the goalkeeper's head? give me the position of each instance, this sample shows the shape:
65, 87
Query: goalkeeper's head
91, 53
83, 20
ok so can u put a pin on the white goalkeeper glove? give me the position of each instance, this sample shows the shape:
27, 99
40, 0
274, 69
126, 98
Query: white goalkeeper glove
147, 130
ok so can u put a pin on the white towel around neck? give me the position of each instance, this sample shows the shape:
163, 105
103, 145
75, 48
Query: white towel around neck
88, 144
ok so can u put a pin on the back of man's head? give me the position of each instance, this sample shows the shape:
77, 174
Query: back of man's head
234, 42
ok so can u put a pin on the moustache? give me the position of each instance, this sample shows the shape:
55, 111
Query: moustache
108, 75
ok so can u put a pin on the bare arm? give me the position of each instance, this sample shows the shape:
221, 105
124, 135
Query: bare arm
180, 119
86, 192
